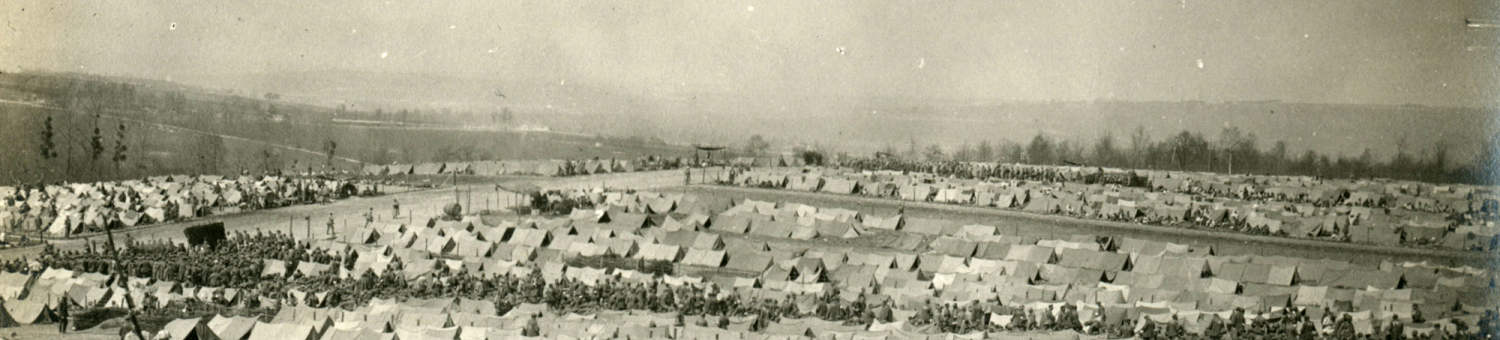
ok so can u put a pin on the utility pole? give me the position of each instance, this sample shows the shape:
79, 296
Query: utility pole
1231, 163
129, 301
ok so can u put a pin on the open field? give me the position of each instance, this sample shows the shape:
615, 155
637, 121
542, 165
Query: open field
156, 148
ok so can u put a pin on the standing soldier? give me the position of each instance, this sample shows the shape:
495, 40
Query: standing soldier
395, 209
62, 315
531, 329
370, 217
1174, 329
687, 175
330, 224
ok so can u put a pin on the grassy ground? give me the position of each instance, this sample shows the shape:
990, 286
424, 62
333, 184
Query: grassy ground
49, 332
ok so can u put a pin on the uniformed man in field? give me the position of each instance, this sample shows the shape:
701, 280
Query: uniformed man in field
62, 314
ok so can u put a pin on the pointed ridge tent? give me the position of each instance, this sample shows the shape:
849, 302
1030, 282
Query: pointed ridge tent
188, 329
457, 168
428, 169
896, 222
273, 331
707, 241
954, 246
930, 226
6, 320
733, 223
672, 224
29, 312
1281, 275
659, 252
630, 221
476, 306
550, 168
231, 328
676, 238
586, 215
360, 333
748, 262
840, 186
803, 232
273, 268
12, 285
835, 228
908, 242
772, 229
309, 268
585, 249
1031, 253
704, 257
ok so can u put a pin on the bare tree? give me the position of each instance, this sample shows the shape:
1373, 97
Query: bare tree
329, 148
1140, 146
49, 149
757, 145
120, 147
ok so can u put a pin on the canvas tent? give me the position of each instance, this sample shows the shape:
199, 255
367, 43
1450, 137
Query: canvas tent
188, 329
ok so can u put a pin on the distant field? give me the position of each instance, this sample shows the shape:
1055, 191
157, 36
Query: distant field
154, 150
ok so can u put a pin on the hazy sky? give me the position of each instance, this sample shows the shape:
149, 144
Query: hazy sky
1334, 51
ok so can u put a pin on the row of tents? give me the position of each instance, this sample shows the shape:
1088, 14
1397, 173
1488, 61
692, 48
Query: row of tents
949, 263
62, 210
1354, 223
1082, 264
549, 168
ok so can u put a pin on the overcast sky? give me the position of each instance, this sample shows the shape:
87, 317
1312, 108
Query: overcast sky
1333, 51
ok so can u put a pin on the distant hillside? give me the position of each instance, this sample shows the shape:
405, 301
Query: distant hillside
865, 124
173, 129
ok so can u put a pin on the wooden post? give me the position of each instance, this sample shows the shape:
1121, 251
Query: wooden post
119, 275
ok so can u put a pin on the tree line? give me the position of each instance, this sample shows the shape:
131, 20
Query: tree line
1233, 151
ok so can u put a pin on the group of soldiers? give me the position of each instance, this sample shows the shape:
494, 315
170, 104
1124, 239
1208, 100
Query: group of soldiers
237, 262
968, 170
953, 318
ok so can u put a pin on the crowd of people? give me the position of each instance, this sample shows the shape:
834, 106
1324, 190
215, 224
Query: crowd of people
969, 170
238, 263
1095, 175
